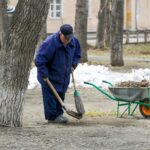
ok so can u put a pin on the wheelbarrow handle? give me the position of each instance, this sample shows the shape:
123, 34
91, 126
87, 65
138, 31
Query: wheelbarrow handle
90, 84
107, 83
87, 83
101, 90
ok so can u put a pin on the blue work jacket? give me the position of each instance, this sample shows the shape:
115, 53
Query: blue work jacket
54, 60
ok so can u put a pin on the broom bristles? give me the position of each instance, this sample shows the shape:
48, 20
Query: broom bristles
79, 105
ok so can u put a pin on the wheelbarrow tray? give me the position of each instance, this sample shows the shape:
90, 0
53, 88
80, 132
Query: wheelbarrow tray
126, 96
130, 94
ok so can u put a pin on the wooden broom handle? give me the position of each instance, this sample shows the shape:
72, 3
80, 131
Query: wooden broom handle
74, 84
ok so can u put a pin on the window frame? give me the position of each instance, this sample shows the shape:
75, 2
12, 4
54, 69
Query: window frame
54, 10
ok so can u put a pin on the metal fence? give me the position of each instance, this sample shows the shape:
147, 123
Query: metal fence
139, 36
129, 37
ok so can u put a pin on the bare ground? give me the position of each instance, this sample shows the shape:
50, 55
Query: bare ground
100, 129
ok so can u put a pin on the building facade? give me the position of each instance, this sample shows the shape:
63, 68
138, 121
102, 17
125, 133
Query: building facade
136, 14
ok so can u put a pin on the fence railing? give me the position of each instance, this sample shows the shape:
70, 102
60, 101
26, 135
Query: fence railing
129, 37
139, 36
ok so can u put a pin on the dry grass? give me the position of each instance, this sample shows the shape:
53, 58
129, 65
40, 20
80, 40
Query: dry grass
100, 114
135, 51
130, 49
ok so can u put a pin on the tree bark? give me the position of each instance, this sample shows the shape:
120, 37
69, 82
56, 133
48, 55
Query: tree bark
43, 34
24, 30
81, 26
101, 26
117, 33
108, 24
3, 23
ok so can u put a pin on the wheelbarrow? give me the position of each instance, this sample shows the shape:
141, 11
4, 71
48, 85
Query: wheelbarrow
127, 96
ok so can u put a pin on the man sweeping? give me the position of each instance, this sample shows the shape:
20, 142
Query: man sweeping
54, 59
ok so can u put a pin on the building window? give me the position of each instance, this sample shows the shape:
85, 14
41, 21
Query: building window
55, 9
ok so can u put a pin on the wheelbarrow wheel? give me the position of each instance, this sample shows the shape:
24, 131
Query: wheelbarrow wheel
145, 110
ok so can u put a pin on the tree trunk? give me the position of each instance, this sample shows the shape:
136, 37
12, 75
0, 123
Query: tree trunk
101, 26
43, 35
117, 33
108, 24
81, 26
3, 23
24, 30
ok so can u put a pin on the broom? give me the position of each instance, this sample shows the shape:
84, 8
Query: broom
78, 102
69, 112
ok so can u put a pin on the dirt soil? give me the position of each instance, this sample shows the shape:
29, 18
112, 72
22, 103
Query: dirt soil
100, 129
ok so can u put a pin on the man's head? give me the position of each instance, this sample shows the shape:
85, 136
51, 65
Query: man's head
66, 33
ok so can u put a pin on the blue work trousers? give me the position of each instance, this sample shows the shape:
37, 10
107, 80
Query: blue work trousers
52, 107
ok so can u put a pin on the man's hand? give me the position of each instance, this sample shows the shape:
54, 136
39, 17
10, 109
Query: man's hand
45, 79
